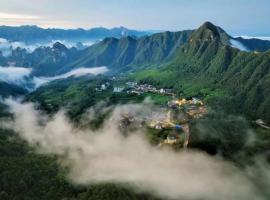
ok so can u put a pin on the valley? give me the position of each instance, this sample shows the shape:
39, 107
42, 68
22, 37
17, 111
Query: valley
131, 117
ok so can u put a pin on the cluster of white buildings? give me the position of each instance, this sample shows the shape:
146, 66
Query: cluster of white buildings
134, 88
103, 87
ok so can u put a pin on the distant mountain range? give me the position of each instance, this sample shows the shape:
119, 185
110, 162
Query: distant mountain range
120, 53
32, 34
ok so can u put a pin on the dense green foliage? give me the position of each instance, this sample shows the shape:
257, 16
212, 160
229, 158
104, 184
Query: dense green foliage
255, 44
230, 136
226, 77
198, 63
129, 52
77, 95
26, 175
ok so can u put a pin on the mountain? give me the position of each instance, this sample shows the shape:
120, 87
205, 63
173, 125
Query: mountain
225, 76
118, 54
8, 90
121, 54
31, 34
45, 61
195, 63
255, 44
201, 63
131, 52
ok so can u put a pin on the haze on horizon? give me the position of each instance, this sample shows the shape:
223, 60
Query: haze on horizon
239, 17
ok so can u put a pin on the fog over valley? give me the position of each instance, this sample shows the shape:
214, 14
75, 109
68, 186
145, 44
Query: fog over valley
22, 76
134, 100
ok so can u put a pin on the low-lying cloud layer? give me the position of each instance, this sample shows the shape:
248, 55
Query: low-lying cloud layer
238, 45
14, 74
105, 155
256, 37
7, 46
22, 76
38, 81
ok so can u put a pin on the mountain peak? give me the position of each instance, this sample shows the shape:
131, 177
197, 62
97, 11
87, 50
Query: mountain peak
206, 32
59, 46
208, 25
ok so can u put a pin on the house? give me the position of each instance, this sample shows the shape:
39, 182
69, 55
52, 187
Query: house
103, 87
196, 101
158, 126
166, 91
162, 91
118, 89
171, 139
134, 92
131, 84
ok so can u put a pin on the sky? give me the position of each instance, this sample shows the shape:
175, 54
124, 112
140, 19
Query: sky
237, 17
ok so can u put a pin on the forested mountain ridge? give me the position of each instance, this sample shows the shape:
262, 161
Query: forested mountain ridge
205, 62
195, 60
119, 54
128, 51
199, 63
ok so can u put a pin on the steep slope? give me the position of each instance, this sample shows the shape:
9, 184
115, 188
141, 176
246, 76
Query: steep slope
7, 90
118, 54
225, 76
45, 61
131, 52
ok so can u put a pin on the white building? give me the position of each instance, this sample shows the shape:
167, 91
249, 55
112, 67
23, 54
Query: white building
118, 89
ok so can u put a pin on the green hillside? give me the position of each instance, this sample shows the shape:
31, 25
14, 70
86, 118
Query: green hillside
197, 63
28, 175
129, 52
223, 75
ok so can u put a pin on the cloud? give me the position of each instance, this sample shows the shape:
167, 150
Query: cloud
7, 46
13, 16
69, 43
22, 76
238, 45
18, 19
256, 37
105, 155
14, 75
38, 81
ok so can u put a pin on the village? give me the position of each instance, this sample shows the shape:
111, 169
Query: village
134, 88
175, 118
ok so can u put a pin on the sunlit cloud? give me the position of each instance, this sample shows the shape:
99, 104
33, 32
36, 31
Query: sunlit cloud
11, 19
17, 19
11, 16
